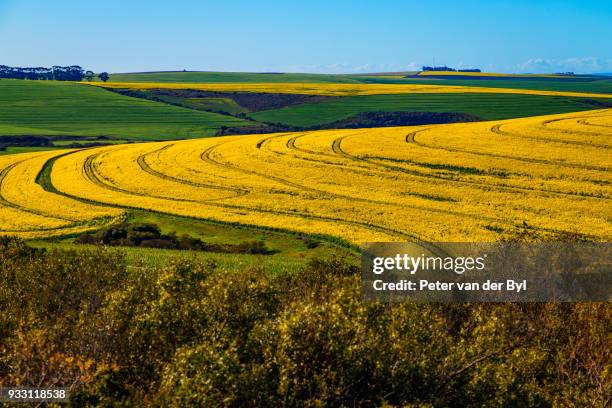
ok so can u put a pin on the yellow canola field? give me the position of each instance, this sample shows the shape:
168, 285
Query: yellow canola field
331, 89
457, 182
28, 210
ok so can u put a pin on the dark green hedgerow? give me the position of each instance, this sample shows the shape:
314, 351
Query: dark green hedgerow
194, 335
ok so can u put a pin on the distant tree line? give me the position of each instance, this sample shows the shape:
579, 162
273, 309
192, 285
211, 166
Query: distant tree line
57, 73
445, 68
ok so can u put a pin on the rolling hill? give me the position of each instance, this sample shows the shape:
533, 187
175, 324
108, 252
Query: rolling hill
52, 108
485, 106
466, 181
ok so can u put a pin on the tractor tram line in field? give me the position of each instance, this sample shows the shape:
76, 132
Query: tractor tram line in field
336, 148
206, 156
575, 122
356, 184
94, 177
411, 138
587, 123
142, 162
497, 129
51, 218
335, 145
332, 220
3, 201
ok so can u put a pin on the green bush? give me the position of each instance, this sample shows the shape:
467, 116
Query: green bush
192, 334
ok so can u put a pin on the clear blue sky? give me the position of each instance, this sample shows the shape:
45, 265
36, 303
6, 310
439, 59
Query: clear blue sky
308, 36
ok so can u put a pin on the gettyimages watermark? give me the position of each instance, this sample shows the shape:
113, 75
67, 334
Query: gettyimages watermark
486, 272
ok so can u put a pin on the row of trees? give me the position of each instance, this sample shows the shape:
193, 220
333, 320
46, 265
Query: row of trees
445, 68
57, 73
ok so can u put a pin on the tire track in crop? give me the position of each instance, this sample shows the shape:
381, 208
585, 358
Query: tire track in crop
545, 125
206, 157
359, 199
265, 140
97, 179
497, 130
91, 174
360, 170
337, 148
411, 138
72, 223
52, 189
142, 163
291, 145
586, 123
3, 174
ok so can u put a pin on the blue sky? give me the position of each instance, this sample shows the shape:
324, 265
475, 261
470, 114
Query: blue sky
308, 36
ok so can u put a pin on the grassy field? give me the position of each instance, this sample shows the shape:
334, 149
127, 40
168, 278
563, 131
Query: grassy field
213, 77
68, 109
215, 104
486, 106
434, 183
290, 251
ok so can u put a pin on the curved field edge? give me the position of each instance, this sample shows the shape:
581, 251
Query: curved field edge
44, 180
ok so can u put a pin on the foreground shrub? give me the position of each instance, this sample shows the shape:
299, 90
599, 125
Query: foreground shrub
192, 334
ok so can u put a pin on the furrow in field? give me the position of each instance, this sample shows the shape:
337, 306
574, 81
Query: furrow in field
410, 138
92, 175
589, 123
349, 198
497, 129
4, 202
142, 162
34, 212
